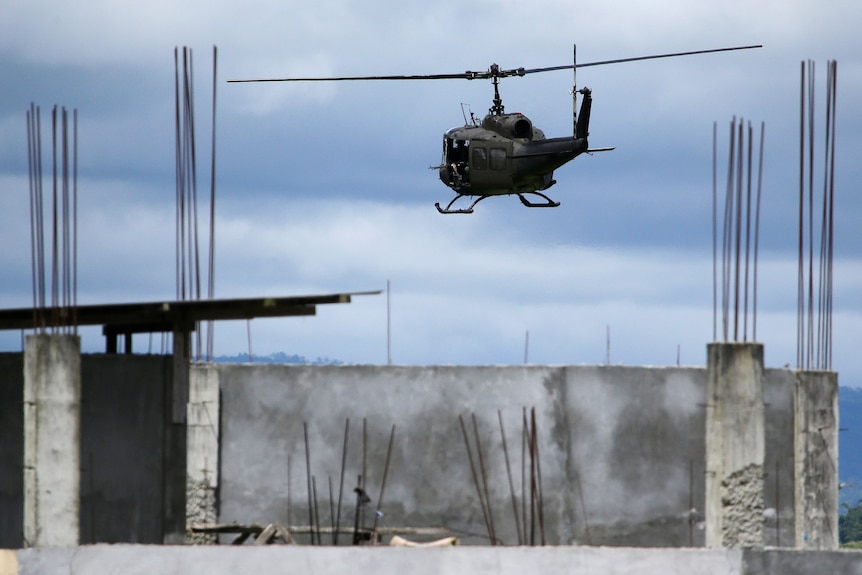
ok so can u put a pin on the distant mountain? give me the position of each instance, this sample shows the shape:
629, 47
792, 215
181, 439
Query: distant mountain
278, 357
850, 445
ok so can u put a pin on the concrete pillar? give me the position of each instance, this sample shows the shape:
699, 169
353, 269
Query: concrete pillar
735, 437
52, 440
202, 464
174, 471
816, 460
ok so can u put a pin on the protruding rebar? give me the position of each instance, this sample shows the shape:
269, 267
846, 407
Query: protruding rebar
511, 483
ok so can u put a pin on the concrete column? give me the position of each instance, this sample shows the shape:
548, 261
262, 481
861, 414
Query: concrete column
52, 440
816, 460
174, 471
735, 437
203, 448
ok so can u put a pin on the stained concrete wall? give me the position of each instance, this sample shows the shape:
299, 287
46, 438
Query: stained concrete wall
11, 450
122, 448
816, 431
621, 448
196, 560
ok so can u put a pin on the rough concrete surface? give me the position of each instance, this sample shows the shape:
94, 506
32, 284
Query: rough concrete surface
301, 560
742, 500
172, 560
52, 440
735, 445
816, 432
621, 449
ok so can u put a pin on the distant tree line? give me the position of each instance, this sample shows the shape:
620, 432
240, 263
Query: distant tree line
277, 357
850, 525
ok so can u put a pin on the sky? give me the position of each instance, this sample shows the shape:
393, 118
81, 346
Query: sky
325, 188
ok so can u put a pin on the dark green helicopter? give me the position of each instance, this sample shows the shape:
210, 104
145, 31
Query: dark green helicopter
506, 154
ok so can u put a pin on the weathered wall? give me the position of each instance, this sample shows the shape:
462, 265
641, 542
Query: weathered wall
621, 449
816, 460
197, 560
11, 450
778, 402
122, 432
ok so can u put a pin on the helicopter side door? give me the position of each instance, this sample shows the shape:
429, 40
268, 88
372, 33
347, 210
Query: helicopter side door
490, 167
456, 159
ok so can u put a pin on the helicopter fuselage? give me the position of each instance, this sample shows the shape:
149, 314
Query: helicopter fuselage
505, 154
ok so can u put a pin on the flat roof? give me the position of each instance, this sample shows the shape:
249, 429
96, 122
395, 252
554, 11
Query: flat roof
124, 318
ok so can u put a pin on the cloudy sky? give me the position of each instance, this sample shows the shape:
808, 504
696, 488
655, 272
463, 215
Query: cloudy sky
325, 188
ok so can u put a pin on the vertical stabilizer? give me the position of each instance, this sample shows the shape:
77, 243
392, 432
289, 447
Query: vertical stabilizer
582, 127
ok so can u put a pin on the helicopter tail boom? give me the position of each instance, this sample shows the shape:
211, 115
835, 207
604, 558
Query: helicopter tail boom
582, 129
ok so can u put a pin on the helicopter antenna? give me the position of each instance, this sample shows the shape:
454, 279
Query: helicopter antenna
464, 113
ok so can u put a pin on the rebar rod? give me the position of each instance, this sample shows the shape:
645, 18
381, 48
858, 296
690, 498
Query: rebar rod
308, 479
509, 475
212, 227
331, 510
316, 523
484, 479
383, 482
475, 475
757, 229
748, 192
540, 493
341, 481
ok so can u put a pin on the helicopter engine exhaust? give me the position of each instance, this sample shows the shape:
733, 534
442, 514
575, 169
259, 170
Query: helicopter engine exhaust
510, 125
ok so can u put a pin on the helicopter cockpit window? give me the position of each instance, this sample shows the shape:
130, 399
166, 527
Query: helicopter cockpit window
498, 158
480, 158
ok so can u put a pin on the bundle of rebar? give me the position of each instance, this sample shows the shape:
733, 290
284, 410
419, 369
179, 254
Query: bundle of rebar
530, 517
361, 533
814, 290
188, 264
739, 245
58, 315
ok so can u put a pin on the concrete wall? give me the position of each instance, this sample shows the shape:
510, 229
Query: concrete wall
122, 448
11, 450
621, 449
196, 560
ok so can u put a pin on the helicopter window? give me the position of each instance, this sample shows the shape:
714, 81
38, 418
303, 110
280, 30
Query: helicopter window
480, 158
498, 158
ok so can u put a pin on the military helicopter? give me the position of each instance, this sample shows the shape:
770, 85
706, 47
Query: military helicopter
506, 154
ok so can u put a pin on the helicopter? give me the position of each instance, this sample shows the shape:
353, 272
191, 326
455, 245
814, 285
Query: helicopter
505, 154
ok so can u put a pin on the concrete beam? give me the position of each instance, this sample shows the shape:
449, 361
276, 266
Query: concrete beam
735, 437
816, 460
52, 440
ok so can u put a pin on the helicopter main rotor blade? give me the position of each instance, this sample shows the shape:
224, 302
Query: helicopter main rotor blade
638, 58
493, 72
462, 75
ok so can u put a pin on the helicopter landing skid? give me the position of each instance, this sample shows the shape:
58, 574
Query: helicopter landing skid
448, 209
548, 203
